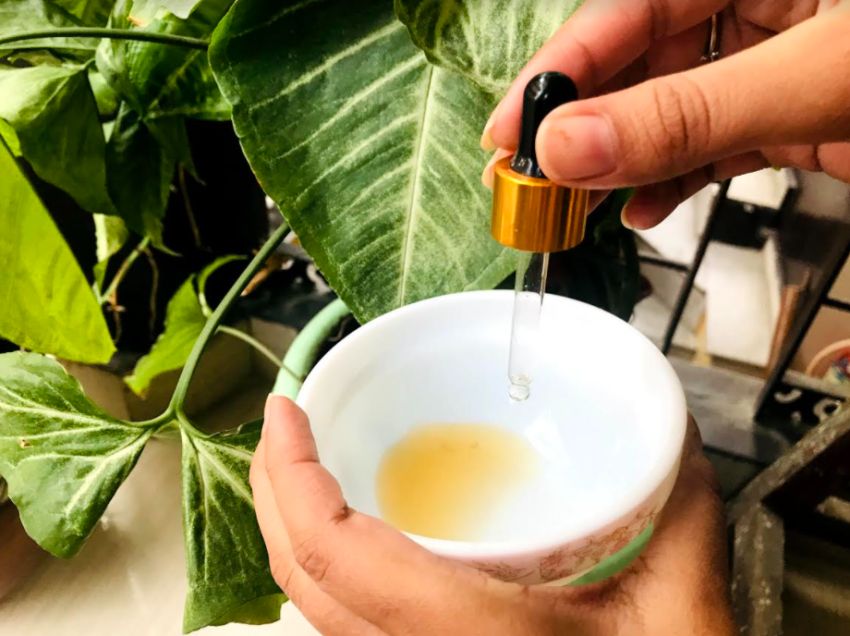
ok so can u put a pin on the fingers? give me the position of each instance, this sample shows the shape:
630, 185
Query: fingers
770, 94
365, 565
833, 159
653, 203
601, 39
323, 612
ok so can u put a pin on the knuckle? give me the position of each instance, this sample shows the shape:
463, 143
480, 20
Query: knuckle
682, 114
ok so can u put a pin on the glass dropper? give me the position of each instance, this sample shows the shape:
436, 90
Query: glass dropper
535, 217
529, 291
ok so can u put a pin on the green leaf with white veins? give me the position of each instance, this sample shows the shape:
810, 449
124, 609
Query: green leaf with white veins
488, 41
62, 457
53, 123
370, 151
226, 559
48, 304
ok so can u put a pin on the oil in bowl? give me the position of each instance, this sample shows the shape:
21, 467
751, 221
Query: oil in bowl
447, 480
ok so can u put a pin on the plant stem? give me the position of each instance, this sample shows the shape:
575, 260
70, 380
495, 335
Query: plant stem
159, 422
187, 203
251, 340
108, 34
302, 353
154, 290
213, 322
124, 268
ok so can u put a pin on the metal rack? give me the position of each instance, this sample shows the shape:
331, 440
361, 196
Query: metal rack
805, 488
789, 402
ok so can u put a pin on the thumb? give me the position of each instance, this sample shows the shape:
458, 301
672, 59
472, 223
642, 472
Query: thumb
788, 90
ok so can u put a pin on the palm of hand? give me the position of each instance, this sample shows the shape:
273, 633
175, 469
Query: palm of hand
353, 574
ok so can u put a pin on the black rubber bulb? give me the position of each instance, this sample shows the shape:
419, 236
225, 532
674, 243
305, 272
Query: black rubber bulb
543, 94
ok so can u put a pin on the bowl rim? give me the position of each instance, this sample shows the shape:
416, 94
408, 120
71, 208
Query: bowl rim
555, 538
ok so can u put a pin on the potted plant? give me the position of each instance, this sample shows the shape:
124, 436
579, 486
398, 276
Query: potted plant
361, 124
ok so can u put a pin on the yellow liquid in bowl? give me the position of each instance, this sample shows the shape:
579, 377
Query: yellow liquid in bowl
445, 480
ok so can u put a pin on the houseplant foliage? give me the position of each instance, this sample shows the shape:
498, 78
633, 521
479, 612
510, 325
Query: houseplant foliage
361, 123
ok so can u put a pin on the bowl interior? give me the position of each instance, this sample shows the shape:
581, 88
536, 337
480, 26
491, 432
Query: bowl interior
606, 412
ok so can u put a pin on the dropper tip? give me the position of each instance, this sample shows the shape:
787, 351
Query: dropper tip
519, 392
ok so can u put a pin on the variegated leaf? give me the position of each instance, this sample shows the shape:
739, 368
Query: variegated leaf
62, 456
488, 41
370, 151
226, 560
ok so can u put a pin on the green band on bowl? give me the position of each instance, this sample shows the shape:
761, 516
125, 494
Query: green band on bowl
618, 561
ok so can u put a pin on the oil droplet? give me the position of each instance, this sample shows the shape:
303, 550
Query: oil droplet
445, 480
520, 389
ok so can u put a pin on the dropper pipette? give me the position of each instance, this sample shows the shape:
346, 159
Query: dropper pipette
535, 216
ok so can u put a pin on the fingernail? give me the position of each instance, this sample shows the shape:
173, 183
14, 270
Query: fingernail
624, 218
579, 147
487, 177
487, 142
267, 411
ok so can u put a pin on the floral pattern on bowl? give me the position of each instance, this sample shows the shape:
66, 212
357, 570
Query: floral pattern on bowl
574, 559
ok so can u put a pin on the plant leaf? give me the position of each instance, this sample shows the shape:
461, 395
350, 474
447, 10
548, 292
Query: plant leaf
54, 117
149, 8
89, 12
488, 41
106, 99
163, 81
139, 174
110, 235
184, 320
49, 304
227, 563
370, 152
183, 323
63, 457
19, 16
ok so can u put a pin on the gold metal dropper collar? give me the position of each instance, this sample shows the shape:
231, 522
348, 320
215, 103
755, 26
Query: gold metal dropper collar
536, 215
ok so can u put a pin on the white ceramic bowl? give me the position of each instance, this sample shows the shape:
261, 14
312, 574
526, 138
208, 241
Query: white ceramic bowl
607, 414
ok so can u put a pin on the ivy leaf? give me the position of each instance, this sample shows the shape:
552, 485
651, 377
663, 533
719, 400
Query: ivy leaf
140, 169
370, 151
49, 304
164, 81
53, 122
488, 41
227, 563
184, 319
62, 457
19, 16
